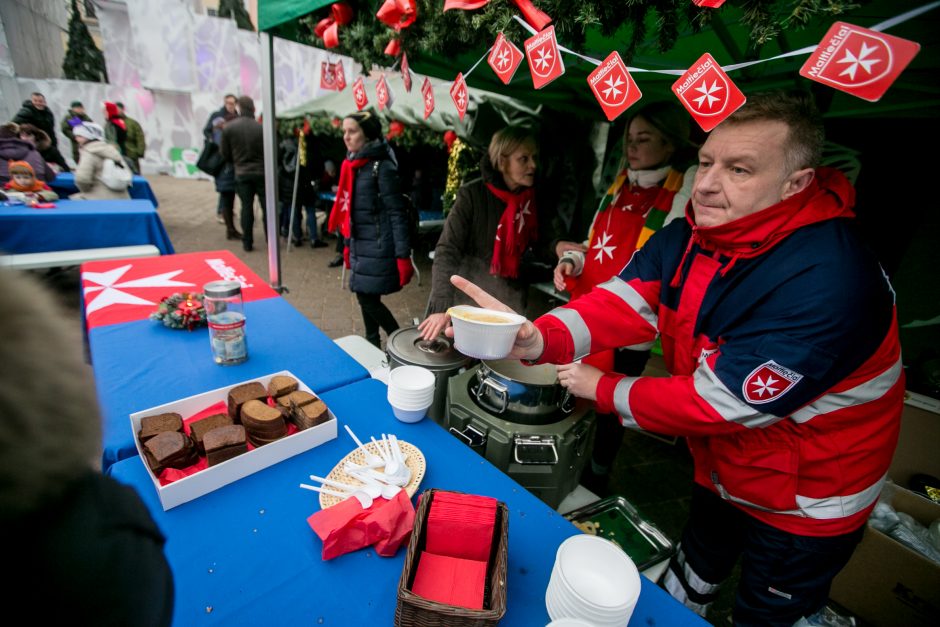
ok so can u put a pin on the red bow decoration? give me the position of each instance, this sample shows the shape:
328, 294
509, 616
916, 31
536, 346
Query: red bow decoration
449, 138
393, 48
398, 14
328, 28
537, 19
395, 128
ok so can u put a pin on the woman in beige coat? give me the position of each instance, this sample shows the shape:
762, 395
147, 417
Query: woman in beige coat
92, 153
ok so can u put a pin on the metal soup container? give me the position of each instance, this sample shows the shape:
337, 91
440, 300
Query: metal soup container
406, 348
528, 395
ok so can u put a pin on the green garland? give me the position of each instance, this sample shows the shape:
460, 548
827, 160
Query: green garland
181, 311
457, 32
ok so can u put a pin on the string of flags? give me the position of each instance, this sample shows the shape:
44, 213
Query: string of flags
863, 62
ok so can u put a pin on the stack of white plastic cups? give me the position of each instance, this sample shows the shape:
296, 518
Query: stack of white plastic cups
593, 581
410, 392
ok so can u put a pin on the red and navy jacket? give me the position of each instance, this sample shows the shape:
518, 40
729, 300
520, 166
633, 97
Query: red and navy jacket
780, 333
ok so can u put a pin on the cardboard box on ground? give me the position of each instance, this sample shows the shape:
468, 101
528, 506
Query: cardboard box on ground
886, 583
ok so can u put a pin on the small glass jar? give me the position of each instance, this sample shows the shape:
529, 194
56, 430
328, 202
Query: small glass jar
225, 312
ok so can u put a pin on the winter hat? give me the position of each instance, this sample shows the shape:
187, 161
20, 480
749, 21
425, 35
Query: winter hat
76, 103
21, 167
111, 109
368, 122
90, 131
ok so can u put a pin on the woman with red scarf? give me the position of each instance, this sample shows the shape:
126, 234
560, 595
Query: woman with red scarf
641, 199
370, 213
491, 225
115, 130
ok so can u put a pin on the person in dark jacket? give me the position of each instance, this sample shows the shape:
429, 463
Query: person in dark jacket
115, 128
243, 146
471, 245
75, 116
225, 181
34, 111
12, 148
70, 528
371, 214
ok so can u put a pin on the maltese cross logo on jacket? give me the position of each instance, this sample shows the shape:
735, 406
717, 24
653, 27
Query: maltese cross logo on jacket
458, 93
427, 92
359, 94
545, 64
613, 86
859, 61
768, 382
707, 92
504, 58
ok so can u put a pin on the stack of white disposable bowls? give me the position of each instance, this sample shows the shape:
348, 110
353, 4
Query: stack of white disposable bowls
593, 581
410, 392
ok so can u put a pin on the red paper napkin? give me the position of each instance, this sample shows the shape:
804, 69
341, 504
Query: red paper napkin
450, 580
461, 526
346, 527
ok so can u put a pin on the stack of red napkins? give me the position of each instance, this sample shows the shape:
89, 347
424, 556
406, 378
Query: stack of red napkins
346, 527
459, 538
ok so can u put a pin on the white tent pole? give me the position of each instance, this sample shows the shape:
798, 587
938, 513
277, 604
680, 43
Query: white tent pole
293, 203
270, 159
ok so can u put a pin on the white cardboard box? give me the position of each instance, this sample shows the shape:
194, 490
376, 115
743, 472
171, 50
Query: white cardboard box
214, 477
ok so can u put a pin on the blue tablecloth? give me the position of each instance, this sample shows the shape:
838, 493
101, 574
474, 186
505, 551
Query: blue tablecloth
244, 554
142, 364
64, 185
77, 224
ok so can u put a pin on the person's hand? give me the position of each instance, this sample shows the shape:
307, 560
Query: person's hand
405, 271
433, 325
563, 269
580, 379
528, 344
563, 246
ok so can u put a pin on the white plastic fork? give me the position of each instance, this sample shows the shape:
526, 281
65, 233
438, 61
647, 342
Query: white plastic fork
371, 457
364, 499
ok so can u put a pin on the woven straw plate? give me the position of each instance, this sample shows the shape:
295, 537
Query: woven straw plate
415, 463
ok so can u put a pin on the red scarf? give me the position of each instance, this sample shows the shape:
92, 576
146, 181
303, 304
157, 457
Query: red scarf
517, 227
342, 206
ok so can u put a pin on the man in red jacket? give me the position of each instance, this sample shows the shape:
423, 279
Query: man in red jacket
778, 328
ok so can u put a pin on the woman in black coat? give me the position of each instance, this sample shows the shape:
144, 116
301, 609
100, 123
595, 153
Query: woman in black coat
371, 213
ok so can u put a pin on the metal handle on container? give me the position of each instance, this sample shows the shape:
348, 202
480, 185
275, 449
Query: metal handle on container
501, 391
567, 402
470, 436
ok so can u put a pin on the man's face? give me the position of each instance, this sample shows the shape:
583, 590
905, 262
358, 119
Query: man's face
39, 101
742, 170
79, 110
230, 105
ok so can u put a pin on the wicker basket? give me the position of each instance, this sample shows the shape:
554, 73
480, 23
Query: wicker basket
418, 611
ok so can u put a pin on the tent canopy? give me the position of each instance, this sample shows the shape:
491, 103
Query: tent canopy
726, 38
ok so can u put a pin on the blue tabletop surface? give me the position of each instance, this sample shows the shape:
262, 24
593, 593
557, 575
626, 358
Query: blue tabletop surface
64, 185
244, 554
143, 364
77, 224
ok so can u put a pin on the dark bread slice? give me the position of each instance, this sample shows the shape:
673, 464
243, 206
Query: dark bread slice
240, 394
310, 415
224, 443
281, 385
171, 449
158, 423
295, 398
262, 421
199, 428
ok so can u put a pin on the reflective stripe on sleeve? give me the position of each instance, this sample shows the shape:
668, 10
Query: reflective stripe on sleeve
827, 508
580, 334
631, 297
870, 390
722, 400
622, 401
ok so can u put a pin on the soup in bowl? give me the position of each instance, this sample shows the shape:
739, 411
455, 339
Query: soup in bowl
484, 333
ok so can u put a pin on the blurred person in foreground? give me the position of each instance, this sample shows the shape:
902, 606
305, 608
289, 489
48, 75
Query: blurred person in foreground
371, 215
656, 152
492, 225
779, 330
71, 532
13, 147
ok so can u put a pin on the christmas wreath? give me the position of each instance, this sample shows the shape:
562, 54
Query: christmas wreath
181, 311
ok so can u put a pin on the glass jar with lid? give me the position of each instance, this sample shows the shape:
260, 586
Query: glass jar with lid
225, 313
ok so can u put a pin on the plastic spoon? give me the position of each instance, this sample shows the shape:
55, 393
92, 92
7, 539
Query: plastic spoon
371, 458
372, 489
387, 491
364, 499
380, 449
